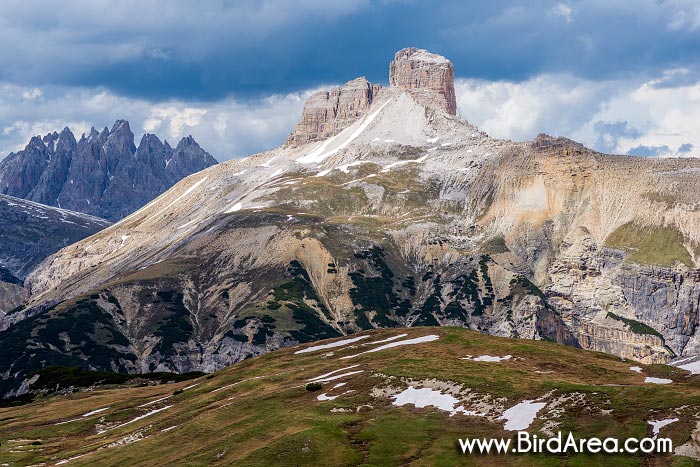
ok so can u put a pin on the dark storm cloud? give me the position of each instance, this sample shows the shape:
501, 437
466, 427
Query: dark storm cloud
206, 50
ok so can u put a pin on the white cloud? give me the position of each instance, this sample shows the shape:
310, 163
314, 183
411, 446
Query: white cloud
518, 111
619, 116
227, 128
686, 15
616, 116
32, 94
176, 118
562, 10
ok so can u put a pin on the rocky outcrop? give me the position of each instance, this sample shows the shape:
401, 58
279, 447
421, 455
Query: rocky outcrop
427, 76
103, 174
327, 113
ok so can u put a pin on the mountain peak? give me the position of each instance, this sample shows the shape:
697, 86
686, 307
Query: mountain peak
188, 141
121, 125
327, 113
427, 76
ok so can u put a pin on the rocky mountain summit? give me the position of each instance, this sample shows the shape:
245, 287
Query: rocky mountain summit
327, 113
427, 76
103, 174
407, 217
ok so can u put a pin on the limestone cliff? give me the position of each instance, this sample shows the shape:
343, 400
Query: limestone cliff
427, 76
327, 113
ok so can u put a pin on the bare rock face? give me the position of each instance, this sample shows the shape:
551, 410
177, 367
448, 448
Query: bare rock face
427, 76
327, 113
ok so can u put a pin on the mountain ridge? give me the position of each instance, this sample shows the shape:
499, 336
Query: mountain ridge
384, 397
30, 232
103, 173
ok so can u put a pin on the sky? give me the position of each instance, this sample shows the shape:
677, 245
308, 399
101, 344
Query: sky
620, 76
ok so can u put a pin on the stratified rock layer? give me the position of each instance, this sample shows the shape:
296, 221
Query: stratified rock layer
427, 76
327, 113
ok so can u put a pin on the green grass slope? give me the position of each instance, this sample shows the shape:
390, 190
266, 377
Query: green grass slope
260, 413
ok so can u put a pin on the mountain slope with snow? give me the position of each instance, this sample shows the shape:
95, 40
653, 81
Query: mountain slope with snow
29, 233
407, 217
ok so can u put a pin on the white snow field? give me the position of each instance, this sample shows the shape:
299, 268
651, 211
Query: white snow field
651, 379
520, 416
417, 340
332, 345
426, 397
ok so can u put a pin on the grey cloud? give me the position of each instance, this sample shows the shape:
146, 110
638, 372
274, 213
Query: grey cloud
652, 151
609, 133
685, 148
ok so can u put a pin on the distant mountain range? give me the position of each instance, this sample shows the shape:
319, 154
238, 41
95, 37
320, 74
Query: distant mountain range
103, 174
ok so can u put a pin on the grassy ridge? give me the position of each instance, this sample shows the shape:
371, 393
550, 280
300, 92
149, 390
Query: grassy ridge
259, 412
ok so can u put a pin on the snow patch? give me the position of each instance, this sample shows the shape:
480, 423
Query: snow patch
317, 378
487, 358
153, 402
425, 397
520, 416
277, 172
636, 369
236, 207
417, 340
95, 412
388, 339
651, 379
186, 224
140, 417
331, 345
324, 397
67, 421
187, 192
333, 378
693, 367
657, 425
